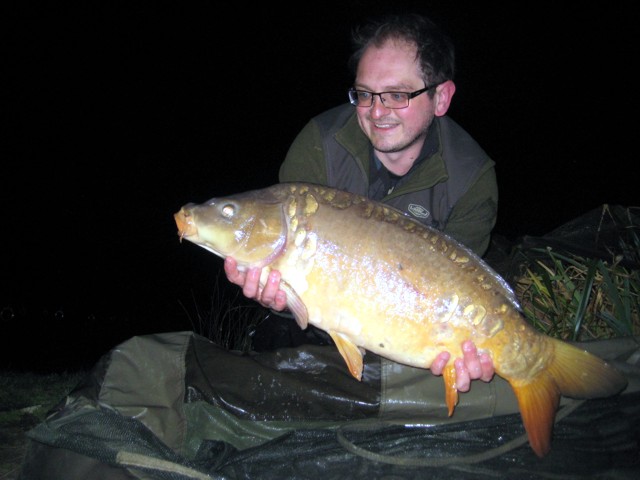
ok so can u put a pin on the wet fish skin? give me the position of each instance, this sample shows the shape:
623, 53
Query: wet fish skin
377, 280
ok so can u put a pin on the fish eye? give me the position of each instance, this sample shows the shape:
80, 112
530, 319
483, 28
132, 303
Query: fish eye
228, 210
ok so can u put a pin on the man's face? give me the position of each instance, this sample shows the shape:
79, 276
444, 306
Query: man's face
393, 67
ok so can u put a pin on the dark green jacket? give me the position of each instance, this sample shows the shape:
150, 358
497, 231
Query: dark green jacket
454, 190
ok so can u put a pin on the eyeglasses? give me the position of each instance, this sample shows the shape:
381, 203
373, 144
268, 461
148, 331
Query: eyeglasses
362, 98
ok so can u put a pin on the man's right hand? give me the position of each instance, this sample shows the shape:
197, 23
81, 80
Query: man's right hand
271, 296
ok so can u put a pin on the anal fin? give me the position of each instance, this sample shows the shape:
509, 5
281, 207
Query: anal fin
450, 390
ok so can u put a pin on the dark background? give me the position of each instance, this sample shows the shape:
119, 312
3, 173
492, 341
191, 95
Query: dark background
116, 114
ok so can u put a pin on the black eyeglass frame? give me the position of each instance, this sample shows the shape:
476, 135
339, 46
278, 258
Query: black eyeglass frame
354, 100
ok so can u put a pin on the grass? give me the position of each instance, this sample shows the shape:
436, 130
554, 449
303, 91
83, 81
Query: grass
226, 317
580, 298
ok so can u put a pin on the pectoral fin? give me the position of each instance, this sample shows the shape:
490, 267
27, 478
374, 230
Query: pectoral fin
350, 352
451, 392
296, 306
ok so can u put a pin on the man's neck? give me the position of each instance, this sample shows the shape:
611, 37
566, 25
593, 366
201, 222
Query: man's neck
399, 163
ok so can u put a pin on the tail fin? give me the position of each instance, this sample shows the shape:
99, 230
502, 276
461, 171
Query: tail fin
573, 373
580, 374
538, 401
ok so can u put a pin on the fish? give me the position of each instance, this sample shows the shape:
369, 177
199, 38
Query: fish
377, 280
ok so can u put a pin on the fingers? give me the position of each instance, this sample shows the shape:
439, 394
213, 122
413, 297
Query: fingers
471, 366
463, 379
280, 301
471, 360
488, 370
251, 287
232, 272
437, 367
271, 296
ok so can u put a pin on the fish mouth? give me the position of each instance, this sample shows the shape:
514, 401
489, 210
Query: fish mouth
185, 223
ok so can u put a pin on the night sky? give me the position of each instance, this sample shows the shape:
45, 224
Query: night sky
117, 113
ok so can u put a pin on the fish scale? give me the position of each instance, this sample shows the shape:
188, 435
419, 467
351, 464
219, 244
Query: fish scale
374, 279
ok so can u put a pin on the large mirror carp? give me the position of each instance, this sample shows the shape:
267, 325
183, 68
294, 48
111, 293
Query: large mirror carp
374, 279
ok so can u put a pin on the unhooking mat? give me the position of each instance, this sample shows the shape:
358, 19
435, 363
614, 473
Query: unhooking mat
176, 406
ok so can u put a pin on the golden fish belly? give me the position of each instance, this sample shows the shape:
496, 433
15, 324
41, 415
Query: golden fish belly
413, 329
369, 287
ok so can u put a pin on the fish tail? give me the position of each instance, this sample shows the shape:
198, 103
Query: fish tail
538, 401
573, 373
580, 374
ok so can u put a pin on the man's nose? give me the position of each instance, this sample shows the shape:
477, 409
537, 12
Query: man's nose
378, 107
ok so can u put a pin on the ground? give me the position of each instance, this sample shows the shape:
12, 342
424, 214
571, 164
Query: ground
25, 399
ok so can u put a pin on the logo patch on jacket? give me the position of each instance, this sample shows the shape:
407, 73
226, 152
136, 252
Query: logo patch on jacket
418, 211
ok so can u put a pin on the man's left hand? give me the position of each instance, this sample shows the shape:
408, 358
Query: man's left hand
472, 366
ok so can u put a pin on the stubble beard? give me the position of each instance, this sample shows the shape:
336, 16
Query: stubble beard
402, 145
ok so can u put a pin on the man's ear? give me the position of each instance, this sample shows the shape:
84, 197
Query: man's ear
443, 96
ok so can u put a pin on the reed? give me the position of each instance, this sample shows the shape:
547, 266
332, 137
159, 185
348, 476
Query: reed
579, 299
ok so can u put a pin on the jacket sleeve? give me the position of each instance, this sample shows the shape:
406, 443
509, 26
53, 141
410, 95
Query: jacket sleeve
305, 159
475, 214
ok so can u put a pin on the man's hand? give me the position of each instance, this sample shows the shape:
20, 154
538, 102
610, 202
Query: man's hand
472, 366
271, 296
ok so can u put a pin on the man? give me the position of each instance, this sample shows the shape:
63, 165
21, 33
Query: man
394, 143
